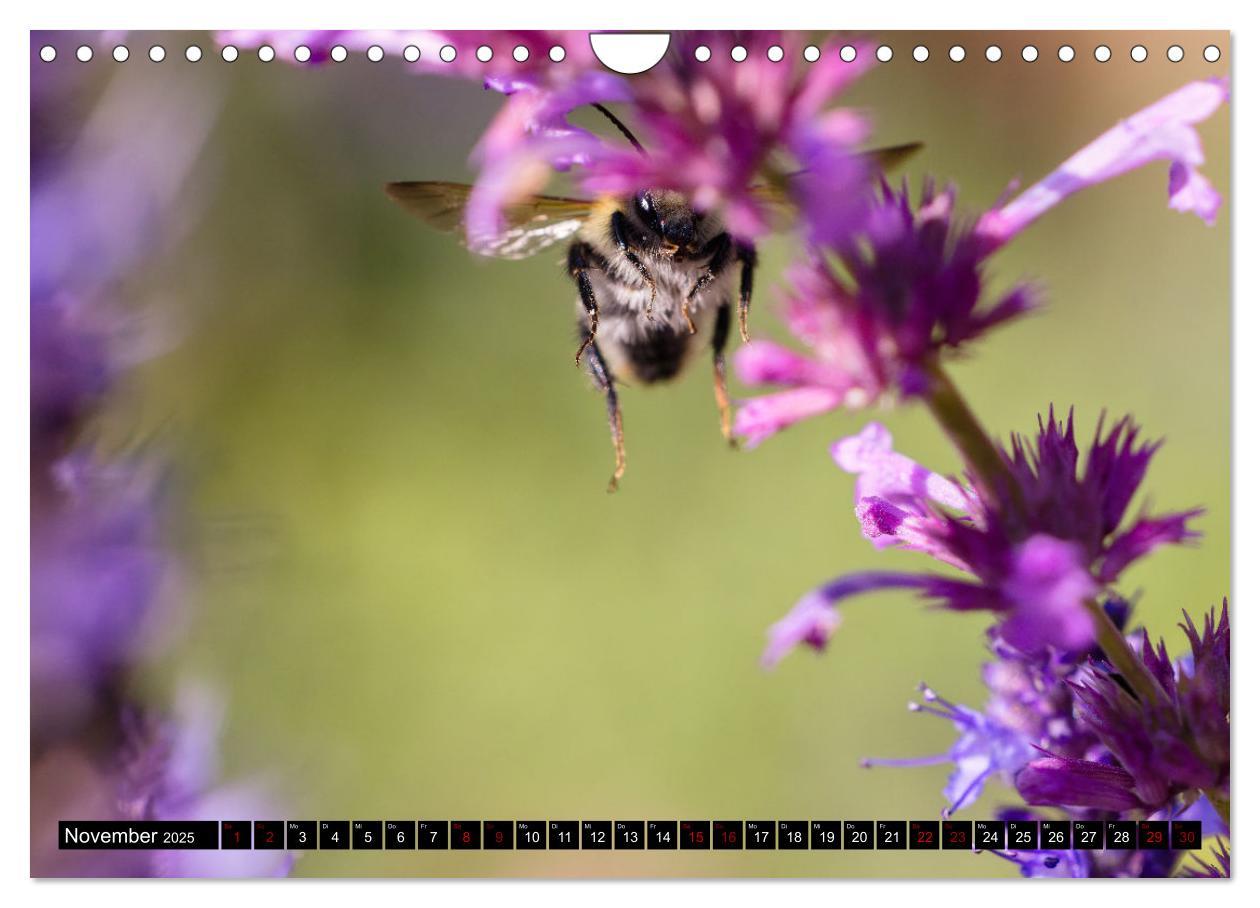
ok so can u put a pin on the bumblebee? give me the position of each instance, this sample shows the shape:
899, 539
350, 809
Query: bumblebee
656, 279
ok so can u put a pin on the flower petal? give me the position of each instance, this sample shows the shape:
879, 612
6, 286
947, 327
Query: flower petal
883, 473
1047, 588
760, 417
1064, 782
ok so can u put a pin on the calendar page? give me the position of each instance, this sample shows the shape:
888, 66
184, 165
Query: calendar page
564, 454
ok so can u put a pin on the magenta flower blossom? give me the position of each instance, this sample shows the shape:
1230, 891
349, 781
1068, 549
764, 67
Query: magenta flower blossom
1165, 131
1033, 559
716, 130
912, 288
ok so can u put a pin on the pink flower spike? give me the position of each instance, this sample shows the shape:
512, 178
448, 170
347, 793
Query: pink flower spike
1164, 131
883, 473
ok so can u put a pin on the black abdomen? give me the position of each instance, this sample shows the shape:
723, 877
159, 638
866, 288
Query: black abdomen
658, 356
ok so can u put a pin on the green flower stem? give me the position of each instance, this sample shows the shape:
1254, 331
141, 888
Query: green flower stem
988, 470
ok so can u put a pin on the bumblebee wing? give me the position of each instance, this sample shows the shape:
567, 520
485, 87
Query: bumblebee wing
881, 160
530, 225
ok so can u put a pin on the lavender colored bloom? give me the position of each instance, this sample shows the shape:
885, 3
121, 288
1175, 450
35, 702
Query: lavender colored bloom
911, 289
985, 747
1165, 131
715, 129
1035, 555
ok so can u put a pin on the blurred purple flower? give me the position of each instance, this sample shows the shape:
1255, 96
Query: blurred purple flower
715, 130
1165, 131
1034, 558
911, 288
1201, 869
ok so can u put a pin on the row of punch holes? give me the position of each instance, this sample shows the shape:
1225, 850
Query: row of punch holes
883, 53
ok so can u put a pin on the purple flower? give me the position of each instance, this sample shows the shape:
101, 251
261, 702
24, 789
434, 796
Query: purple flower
1034, 554
985, 747
1165, 131
1154, 751
716, 129
1203, 870
911, 288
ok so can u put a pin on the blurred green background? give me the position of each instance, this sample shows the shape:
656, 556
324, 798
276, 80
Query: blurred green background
408, 579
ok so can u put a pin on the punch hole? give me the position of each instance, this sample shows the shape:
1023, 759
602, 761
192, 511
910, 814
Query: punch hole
375, 53
811, 54
1138, 53
958, 53
485, 53
447, 53
121, 53
339, 54
703, 54
920, 54
1029, 53
1067, 53
229, 53
266, 53
411, 53
993, 53
1176, 54
556, 54
739, 53
1211, 53
774, 53
520, 53
302, 53
848, 53
192, 53
630, 54
48, 53
157, 53
1102, 53
883, 53
83, 54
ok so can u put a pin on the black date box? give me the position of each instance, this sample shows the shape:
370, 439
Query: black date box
300, 835
334, 835
496, 835
728, 835
1121, 835
367, 834
400, 835
694, 835
1153, 835
562, 835
662, 834
433, 835
597, 835
630, 834
269, 835
826, 835
1088, 835
859, 835
759, 835
234, 834
925, 835
793, 835
1021, 835
891, 834
990, 835
531, 835
1056, 835
465, 835
956, 835
1187, 835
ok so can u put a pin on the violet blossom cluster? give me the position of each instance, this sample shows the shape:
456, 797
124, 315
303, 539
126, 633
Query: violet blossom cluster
106, 194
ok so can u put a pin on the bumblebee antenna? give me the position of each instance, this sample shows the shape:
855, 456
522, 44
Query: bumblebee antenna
621, 127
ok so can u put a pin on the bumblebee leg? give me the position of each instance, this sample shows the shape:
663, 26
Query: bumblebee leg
721, 329
606, 382
747, 258
718, 252
580, 256
620, 227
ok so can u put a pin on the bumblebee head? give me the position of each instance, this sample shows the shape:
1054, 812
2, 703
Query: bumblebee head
669, 217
